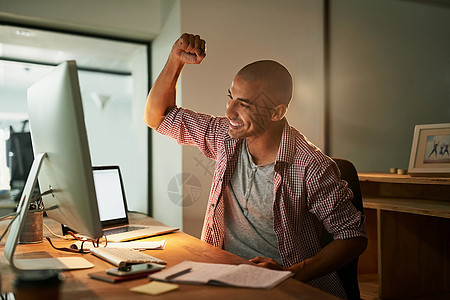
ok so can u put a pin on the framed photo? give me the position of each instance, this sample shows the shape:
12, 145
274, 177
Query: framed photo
430, 151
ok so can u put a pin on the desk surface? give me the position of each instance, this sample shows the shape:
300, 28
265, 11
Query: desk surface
180, 247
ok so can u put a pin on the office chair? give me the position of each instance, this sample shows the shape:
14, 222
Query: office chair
348, 273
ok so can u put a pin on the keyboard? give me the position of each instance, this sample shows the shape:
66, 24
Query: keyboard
121, 229
121, 256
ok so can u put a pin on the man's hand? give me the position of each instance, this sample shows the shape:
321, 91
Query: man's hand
189, 49
267, 263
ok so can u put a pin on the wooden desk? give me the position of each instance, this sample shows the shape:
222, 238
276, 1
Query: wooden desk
180, 247
408, 225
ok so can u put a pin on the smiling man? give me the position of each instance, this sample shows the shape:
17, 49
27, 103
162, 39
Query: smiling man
273, 192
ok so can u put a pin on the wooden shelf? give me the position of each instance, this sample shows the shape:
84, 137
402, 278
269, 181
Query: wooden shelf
394, 178
408, 225
414, 206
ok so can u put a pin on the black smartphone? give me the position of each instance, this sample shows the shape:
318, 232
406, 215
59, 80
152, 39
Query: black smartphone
135, 269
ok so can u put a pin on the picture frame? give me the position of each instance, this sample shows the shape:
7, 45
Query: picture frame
430, 151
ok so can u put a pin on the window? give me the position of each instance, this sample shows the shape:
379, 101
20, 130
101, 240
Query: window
114, 80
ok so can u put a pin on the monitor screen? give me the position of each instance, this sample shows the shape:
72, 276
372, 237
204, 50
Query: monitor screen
58, 129
110, 194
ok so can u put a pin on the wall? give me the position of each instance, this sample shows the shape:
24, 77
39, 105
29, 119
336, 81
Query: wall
390, 70
240, 32
166, 154
237, 33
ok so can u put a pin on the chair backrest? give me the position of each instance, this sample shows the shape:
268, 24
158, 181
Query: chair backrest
349, 273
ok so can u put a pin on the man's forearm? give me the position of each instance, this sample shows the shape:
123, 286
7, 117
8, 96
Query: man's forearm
331, 258
162, 96
189, 49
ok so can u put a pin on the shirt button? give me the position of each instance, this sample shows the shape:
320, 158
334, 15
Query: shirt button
212, 205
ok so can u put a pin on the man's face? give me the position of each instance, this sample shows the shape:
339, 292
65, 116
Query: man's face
248, 109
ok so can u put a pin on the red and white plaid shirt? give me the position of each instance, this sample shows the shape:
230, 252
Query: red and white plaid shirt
308, 192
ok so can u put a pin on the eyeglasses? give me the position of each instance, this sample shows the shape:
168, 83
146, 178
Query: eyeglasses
85, 244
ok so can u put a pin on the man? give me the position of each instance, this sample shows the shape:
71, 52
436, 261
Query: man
273, 191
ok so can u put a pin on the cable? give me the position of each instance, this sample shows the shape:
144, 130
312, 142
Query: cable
49, 230
13, 215
7, 227
58, 235
7, 216
38, 199
50, 208
34, 200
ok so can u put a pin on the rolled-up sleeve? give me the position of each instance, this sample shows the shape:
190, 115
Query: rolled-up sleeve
330, 200
188, 127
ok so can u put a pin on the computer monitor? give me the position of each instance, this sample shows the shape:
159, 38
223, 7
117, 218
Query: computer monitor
62, 158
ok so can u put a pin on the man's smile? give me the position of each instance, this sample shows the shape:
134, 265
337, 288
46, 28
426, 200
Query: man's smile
235, 125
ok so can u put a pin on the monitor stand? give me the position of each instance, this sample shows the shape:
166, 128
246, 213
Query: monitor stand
63, 263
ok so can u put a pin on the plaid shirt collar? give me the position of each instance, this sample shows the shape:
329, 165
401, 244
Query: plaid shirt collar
286, 150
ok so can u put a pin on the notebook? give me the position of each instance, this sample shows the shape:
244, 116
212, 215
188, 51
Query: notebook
112, 206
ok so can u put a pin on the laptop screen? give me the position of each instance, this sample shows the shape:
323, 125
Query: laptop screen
110, 195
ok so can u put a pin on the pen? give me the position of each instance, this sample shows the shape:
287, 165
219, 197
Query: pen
177, 274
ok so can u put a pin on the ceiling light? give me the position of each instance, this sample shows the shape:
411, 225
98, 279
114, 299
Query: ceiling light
100, 100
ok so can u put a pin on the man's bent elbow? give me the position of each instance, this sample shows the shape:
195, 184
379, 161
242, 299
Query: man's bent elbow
152, 121
154, 118
362, 244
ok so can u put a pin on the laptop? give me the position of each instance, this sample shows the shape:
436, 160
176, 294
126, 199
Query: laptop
112, 206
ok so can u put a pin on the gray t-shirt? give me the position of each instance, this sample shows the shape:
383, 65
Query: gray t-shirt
249, 210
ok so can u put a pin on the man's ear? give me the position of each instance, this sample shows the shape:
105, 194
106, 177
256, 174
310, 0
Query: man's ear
278, 112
